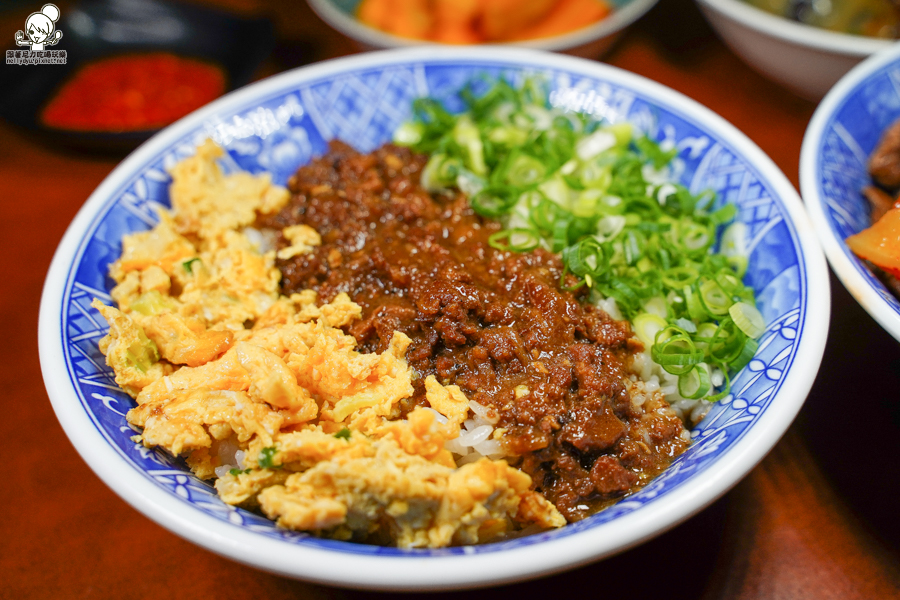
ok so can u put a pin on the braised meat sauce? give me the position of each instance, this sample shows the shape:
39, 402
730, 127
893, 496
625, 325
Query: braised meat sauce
555, 369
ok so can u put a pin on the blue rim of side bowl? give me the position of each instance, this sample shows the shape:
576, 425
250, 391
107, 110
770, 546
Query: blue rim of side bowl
792, 368
838, 140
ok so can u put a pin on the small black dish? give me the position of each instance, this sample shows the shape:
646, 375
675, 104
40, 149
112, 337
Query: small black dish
97, 29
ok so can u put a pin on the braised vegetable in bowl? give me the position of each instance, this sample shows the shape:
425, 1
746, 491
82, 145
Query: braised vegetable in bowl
879, 244
848, 177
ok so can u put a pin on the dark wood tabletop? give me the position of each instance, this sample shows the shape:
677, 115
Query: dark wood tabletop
817, 519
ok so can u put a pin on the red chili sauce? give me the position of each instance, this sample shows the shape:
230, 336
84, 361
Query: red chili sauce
133, 93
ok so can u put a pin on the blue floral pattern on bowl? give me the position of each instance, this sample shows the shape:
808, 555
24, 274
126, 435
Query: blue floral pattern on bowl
851, 129
362, 106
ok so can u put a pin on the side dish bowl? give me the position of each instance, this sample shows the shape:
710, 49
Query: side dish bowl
841, 135
805, 59
280, 123
591, 41
99, 29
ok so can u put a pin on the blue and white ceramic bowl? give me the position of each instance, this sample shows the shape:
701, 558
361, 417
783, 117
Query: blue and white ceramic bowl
277, 125
841, 135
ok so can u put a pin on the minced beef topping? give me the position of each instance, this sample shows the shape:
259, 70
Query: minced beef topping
556, 369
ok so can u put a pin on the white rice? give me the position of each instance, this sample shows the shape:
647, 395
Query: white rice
656, 378
230, 457
476, 438
263, 239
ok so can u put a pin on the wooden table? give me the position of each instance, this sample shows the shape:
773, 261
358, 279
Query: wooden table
817, 519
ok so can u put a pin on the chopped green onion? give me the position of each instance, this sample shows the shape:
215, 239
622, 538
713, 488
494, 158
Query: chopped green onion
723, 391
544, 213
675, 351
440, 172
409, 133
561, 235
748, 350
188, 265
590, 146
715, 300
695, 383
490, 203
646, 326
738, 264
597, 193
654, 152
727, 342
687, 325
515, 240
704, 335
584, 258
695, 238
142, 353
151, 303
522, 169
696, 311
724, 215
679, 277
467, 135
266, 456
658, 306
748, 319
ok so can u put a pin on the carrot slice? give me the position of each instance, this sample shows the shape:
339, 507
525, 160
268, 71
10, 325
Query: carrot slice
406, 18
374, 12
476, 21
502, 19
454, 21
568, 15
880, 243
411, 18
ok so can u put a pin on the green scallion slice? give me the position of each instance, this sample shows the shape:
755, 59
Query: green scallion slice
748, 319
601, 195
646, 326
515, 240
715, 300
675, 351
695, 383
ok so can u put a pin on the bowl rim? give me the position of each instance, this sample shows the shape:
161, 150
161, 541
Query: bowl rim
617, 20
797, 34
453, 571
845, 266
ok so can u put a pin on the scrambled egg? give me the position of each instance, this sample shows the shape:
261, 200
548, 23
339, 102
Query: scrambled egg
269, 396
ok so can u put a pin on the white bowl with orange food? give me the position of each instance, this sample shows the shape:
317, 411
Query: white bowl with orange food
841, 163
586, 28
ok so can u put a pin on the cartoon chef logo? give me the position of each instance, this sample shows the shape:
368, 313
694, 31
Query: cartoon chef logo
40, 29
